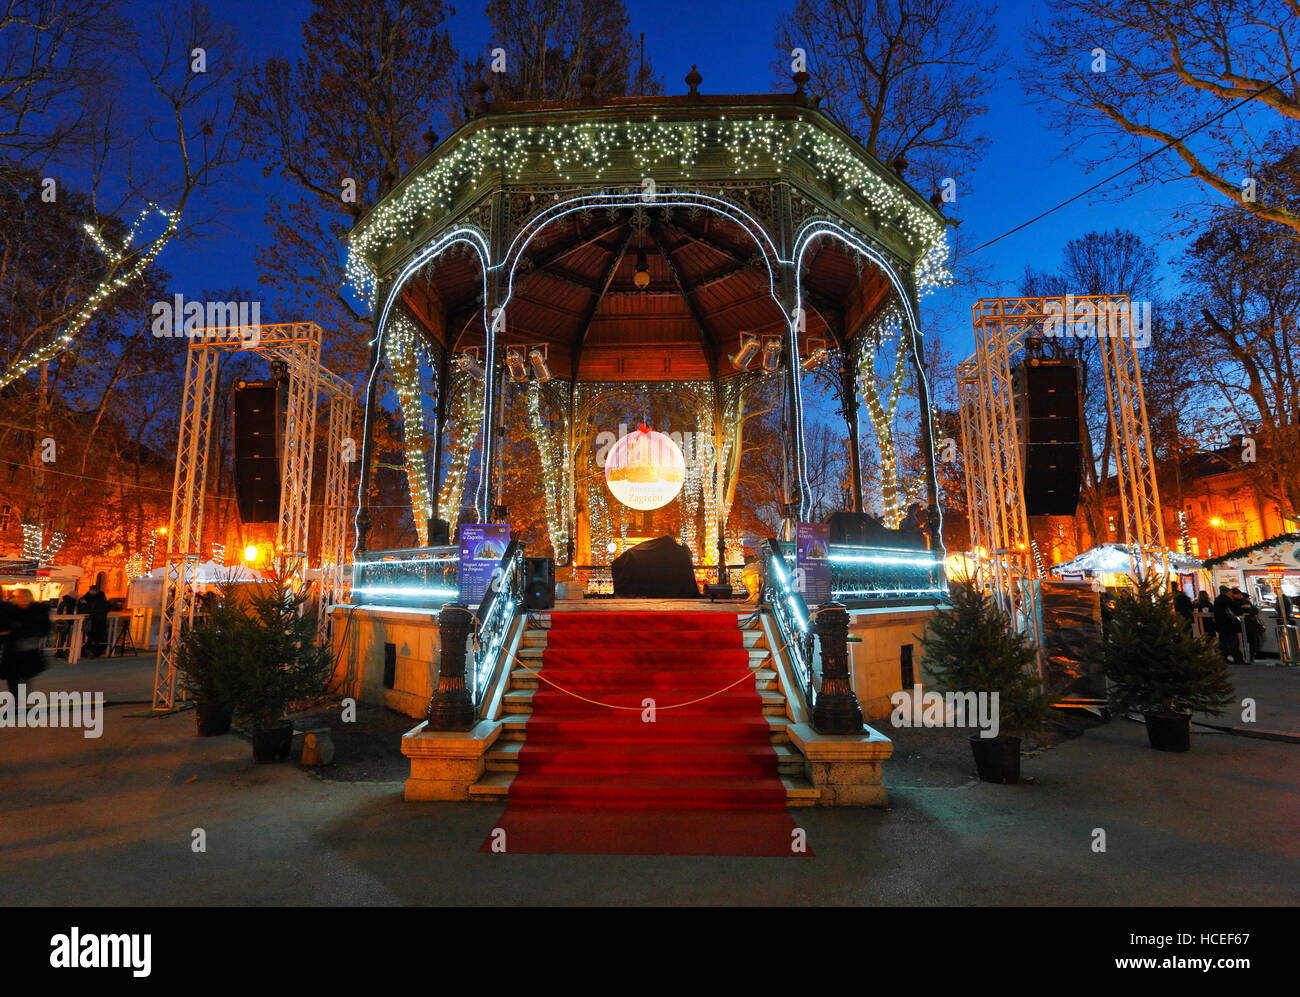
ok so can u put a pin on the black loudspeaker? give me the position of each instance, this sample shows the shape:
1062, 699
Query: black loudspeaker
1049, 421
539, 583
260, 409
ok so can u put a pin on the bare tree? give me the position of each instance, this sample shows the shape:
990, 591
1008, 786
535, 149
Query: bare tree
910, 76
145, 170
1145, 73
549, 45
1245, 276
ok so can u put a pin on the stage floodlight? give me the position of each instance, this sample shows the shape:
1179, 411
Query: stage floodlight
468, 363
747, 352
817, 354
772, 354
537, 359
515, 365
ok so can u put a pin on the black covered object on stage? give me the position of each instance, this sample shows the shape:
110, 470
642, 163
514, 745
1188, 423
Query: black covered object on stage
656, 569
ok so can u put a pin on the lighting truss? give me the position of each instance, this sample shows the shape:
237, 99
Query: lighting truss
297, 345
1000, 538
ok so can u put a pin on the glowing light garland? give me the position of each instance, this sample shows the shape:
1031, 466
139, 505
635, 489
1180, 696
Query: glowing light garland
585, 149
555, 466
34, 548
400, 348
466, 414
103, 291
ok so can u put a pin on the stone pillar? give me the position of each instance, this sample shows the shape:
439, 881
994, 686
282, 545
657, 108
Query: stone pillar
836, 710
450, 706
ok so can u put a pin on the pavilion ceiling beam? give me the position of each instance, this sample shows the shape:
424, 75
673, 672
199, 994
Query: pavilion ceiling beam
542, 262
615, 261
717, 247
706, 340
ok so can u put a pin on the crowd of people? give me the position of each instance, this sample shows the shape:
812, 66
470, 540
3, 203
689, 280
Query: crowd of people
1229, 617
25, 624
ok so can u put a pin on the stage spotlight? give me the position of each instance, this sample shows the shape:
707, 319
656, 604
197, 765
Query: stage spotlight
817, 353
470, 365
772, 354
746, 354
641, 278
515, 365
537, 358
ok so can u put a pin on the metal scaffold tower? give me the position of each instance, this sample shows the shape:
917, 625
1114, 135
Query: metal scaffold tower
1001, 541
297, 346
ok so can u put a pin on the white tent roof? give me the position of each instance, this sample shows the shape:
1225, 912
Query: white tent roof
210, 571
1114, 559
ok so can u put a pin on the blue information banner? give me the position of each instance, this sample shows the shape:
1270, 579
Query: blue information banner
812, 566
482, 546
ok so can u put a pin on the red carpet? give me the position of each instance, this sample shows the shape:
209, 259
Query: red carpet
595, 778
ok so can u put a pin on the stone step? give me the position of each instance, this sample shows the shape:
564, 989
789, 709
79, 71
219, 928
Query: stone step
537, 638
504, 757
495, 787
533, 654
522, 678
521, 701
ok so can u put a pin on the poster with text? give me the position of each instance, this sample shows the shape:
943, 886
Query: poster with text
812, 562
481, 548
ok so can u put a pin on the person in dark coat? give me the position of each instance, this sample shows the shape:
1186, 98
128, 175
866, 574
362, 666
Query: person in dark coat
26, 624
1249, 614
1183, 607
97, 608
1229, 629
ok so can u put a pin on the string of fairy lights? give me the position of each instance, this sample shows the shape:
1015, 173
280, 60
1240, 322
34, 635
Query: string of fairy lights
116, 255
554, 460
596, 150
34, 546
465, 418
400, 346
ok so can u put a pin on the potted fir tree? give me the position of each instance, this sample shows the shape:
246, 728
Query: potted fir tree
972, 647
282, 664
208, 658
1156, 666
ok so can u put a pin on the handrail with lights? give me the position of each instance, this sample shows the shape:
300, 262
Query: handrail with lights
793, 621
496, 618
418, 577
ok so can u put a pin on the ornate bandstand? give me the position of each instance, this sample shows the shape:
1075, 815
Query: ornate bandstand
547, 262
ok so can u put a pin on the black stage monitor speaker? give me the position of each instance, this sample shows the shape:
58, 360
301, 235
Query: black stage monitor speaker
260, 409
1049, 422
539, 583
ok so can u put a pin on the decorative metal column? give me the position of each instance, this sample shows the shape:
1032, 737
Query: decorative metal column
450, 706
837, 710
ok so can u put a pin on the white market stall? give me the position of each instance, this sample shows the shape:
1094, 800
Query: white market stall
144, 594
1260, 571
1110, 564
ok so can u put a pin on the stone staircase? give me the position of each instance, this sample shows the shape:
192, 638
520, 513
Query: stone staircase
502, 760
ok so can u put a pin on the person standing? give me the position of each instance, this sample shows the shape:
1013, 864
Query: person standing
1183, 607
1225, 622
98, 610
1249, 614
26, 624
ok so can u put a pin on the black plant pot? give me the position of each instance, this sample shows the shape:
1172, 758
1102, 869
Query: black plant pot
213, 719
272, 744
1169, 731
997, 759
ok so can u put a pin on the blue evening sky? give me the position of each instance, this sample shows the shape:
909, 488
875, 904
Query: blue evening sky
1023, 173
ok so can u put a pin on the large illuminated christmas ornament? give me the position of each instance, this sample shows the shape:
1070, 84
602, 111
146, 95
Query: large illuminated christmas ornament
645, 469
